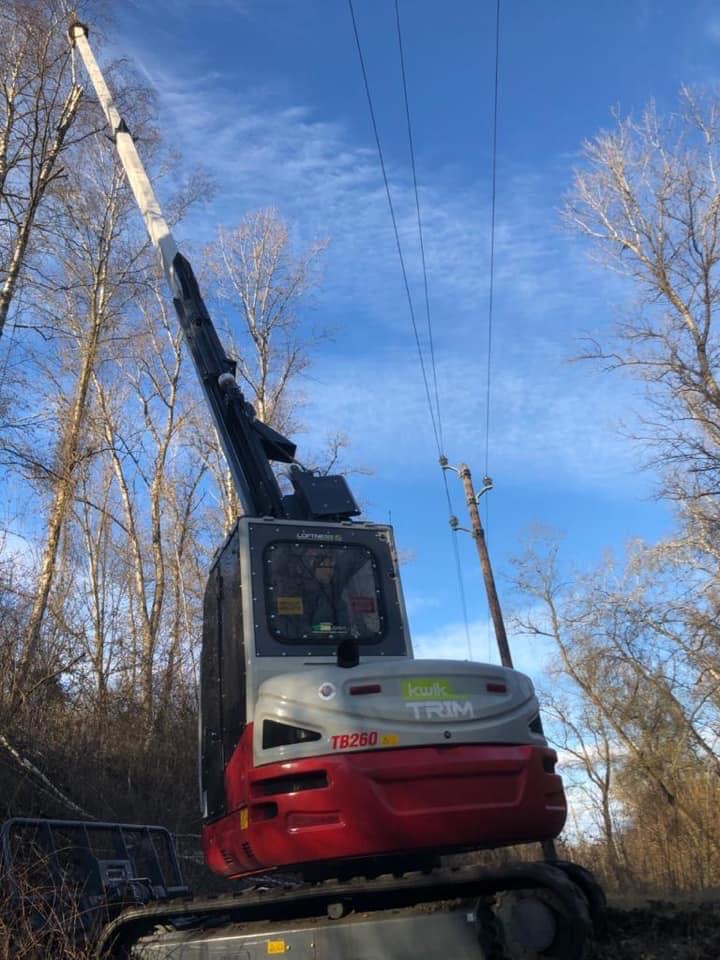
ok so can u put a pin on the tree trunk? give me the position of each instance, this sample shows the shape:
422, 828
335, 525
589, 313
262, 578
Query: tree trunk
67, 462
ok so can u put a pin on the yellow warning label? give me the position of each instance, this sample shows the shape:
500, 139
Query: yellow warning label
244, 818
276, 946
389, 740
288, 606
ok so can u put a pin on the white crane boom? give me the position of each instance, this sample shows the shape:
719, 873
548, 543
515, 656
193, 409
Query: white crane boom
157, 228
250, 446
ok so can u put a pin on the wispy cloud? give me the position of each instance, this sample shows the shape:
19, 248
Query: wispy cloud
712, 29
550, 421
547, 417
266, 151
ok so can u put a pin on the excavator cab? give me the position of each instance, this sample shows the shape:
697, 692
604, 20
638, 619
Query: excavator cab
282, 597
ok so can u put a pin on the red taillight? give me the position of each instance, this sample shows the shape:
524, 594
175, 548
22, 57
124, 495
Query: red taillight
365, 688
496, 688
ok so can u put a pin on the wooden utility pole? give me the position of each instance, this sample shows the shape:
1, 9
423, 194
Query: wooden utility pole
478, 534
479, 537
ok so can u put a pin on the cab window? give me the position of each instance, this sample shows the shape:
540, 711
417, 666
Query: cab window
322, 592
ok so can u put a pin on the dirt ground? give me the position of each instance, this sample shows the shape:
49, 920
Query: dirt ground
681, 929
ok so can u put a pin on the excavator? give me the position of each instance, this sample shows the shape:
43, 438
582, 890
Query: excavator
335, 768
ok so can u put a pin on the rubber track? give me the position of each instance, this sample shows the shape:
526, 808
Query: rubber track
359, 894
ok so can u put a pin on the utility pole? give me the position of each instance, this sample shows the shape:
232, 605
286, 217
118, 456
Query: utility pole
478, 535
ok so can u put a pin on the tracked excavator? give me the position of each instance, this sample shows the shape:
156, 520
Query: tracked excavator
330, 758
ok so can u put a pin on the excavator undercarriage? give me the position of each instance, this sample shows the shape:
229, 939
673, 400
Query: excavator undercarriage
521, 911
123, 891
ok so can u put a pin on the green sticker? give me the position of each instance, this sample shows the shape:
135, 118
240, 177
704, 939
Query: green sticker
429, 688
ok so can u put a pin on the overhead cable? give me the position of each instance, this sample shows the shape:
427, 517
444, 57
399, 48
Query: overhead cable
395, 228
491, 280
434, 413
451, 509
491, 293
419, 221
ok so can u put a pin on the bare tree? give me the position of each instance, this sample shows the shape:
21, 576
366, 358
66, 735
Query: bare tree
648, 197
259, 278
38, 105
99, 618
646, 651
157, 511
260, 283
102, 624
92, 276
87, 304
616, 635
589, 748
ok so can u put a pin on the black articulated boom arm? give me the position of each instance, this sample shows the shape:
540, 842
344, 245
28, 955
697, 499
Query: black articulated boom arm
249, 444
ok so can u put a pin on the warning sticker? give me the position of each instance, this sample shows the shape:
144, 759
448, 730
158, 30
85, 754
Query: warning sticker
276, 946
289, 606
362, 604
389, 740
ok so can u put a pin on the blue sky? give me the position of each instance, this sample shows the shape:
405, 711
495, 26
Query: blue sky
267, 95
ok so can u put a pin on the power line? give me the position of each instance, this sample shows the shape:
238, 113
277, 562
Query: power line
395, 228
434, 416
411, 144
419, 220
491, 281
492, 239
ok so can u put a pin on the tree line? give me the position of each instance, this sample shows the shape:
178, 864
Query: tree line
123, 493
636, 683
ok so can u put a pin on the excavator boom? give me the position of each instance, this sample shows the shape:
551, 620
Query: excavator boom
249, 445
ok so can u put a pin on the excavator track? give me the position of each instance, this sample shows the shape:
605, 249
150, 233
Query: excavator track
519, 912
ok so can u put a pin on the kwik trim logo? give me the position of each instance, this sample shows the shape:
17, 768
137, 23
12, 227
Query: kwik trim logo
429, 688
